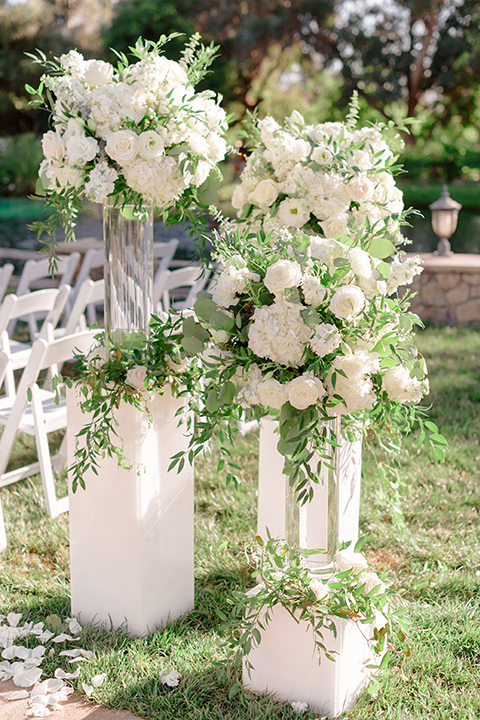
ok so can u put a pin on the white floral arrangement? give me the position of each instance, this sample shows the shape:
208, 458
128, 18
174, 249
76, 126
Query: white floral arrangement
349, 589
332, 179
136, 133
307, 328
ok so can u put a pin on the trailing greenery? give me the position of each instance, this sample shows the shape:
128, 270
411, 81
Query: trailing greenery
433, 560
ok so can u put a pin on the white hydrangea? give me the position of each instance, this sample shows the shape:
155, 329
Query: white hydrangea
313, 291
278, 333
354, 383
326, 339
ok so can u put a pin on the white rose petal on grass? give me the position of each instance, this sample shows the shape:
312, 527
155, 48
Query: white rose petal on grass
169, 677
347, 302
63, 637
77, 652
304, 391
20, 695
10, 652
62, 675
74, 626
299, 707
281, 275
13, 619
98, 680
348, 559
122, 146
136, 377
87, 689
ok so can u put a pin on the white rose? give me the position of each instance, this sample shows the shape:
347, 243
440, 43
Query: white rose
217, 146
272, 393
122, 146
136, 377
360, 188
360, 262
335, 225
319, 588
293, 212
401, 386
265, 193
80, 149
150, 145
347, 559
98, 356
239, 197
281, 275
53, 146
347, 302
97, 72
372, 582
304, 391
61, 175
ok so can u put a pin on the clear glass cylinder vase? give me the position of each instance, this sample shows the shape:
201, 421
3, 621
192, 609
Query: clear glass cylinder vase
314, 526
128, 274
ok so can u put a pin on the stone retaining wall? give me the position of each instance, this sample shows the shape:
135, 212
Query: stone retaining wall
448, 290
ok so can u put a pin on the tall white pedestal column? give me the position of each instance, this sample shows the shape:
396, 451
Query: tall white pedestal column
131, 531
314, 515
286, 663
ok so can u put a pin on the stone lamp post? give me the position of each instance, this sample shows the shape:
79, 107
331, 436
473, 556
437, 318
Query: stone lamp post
444, 220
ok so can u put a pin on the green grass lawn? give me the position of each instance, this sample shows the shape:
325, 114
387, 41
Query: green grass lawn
433, 560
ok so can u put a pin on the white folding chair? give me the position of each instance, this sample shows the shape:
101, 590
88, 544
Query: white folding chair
192, 279
38, 417
38, 271
91, 293
163, 251
93, 260
50, 304
6, 272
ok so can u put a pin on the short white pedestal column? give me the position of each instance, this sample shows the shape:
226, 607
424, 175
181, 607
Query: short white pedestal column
286, 663
313, 515
131, 531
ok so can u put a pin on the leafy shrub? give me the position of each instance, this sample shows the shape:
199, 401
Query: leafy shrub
20, 158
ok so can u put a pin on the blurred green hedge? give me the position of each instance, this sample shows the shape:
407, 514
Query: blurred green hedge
20, 158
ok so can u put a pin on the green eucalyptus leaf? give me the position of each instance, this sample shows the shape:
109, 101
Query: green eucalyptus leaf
227, 393
220, 321
193, 345
211, 403
204, 309
380, 247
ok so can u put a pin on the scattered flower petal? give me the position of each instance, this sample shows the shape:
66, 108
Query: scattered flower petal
27, 678
169, 677
98, 679
62, 637
87, 689
38, 711
19, 695
9, 652
77, 652
13, 619
299, 707
62, 675
74, 626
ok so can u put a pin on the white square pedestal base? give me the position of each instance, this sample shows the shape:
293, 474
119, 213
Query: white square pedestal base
285, 663
131, 531
313, 515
